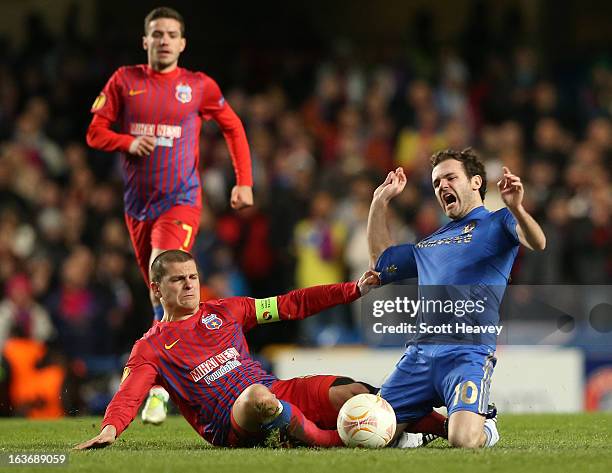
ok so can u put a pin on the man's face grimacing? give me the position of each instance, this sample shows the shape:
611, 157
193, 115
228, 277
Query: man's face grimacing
456, 193
179, 288
164, 43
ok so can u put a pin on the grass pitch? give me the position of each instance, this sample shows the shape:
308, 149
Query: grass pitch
540, 443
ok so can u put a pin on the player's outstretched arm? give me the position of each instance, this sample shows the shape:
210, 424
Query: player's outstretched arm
301, 303
379, 237
103, 439
529, 231
139, 376
309, 301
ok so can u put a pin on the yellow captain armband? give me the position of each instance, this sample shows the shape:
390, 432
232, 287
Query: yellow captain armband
266, 310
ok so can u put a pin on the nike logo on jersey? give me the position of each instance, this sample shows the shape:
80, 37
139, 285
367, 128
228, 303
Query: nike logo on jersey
168, 347
133, 92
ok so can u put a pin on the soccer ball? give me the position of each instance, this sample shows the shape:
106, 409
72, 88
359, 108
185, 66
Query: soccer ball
366, 421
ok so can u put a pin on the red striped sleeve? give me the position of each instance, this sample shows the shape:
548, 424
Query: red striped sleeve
295, 305
303, 303
215, 107
100, 136
138, 377
109, 103
106, 109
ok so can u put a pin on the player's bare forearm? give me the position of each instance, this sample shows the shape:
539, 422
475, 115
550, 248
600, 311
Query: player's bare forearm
529, 231
379, 237
512, 191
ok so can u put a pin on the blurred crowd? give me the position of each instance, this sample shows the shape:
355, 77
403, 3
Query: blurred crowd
68, 279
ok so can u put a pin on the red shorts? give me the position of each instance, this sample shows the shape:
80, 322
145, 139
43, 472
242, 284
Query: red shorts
309, 393
175, 229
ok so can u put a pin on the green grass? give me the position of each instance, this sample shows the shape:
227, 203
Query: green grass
555, 443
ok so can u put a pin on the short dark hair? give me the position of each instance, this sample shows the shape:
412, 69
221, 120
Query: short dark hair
472, 165
164, 12
158, 268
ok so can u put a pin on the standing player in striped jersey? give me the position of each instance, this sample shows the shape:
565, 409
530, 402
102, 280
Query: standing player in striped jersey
198, 352
158, 109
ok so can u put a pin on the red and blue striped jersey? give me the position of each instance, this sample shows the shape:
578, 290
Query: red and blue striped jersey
204, 361
169, 107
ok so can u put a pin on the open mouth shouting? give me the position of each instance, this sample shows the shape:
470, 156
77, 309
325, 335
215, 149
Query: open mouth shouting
450, 201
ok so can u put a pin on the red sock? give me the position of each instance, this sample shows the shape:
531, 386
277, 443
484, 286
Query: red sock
306, 431
432, 423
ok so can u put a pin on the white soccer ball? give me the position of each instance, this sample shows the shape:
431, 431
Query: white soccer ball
366, 421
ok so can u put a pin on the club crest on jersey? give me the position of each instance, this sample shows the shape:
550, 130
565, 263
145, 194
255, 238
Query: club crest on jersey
469, 227
212, 321
391, 269
183, 93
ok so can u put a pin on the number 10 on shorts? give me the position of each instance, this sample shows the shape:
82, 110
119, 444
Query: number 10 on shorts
468, 392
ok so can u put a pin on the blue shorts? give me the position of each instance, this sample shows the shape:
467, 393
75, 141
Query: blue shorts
428, 376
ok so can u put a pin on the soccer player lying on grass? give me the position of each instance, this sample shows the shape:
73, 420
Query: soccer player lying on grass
198, 352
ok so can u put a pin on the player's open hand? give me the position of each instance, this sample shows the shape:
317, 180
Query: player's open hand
103, 439
367, 281
242, 197
142, 146
393, 186
511, 189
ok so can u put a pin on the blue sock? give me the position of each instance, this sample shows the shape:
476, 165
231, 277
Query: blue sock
158, 312
280, 421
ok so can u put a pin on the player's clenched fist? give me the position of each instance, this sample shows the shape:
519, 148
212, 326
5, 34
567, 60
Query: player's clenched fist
242, 197
142, 146
511, 189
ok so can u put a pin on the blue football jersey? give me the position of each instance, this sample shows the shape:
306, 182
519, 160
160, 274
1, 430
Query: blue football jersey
469, 259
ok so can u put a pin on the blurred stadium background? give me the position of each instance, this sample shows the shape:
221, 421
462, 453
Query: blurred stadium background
333, 95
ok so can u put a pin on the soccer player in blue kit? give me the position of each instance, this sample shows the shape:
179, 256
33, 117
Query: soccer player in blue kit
471, 256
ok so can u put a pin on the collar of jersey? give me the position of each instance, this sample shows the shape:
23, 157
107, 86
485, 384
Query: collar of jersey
197, 313
456, 223
160, 75
472, 213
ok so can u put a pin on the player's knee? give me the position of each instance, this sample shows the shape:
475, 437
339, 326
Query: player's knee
465, 438
259, 399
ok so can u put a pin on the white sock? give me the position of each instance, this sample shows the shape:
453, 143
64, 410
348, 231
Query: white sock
409, 440
491, 433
